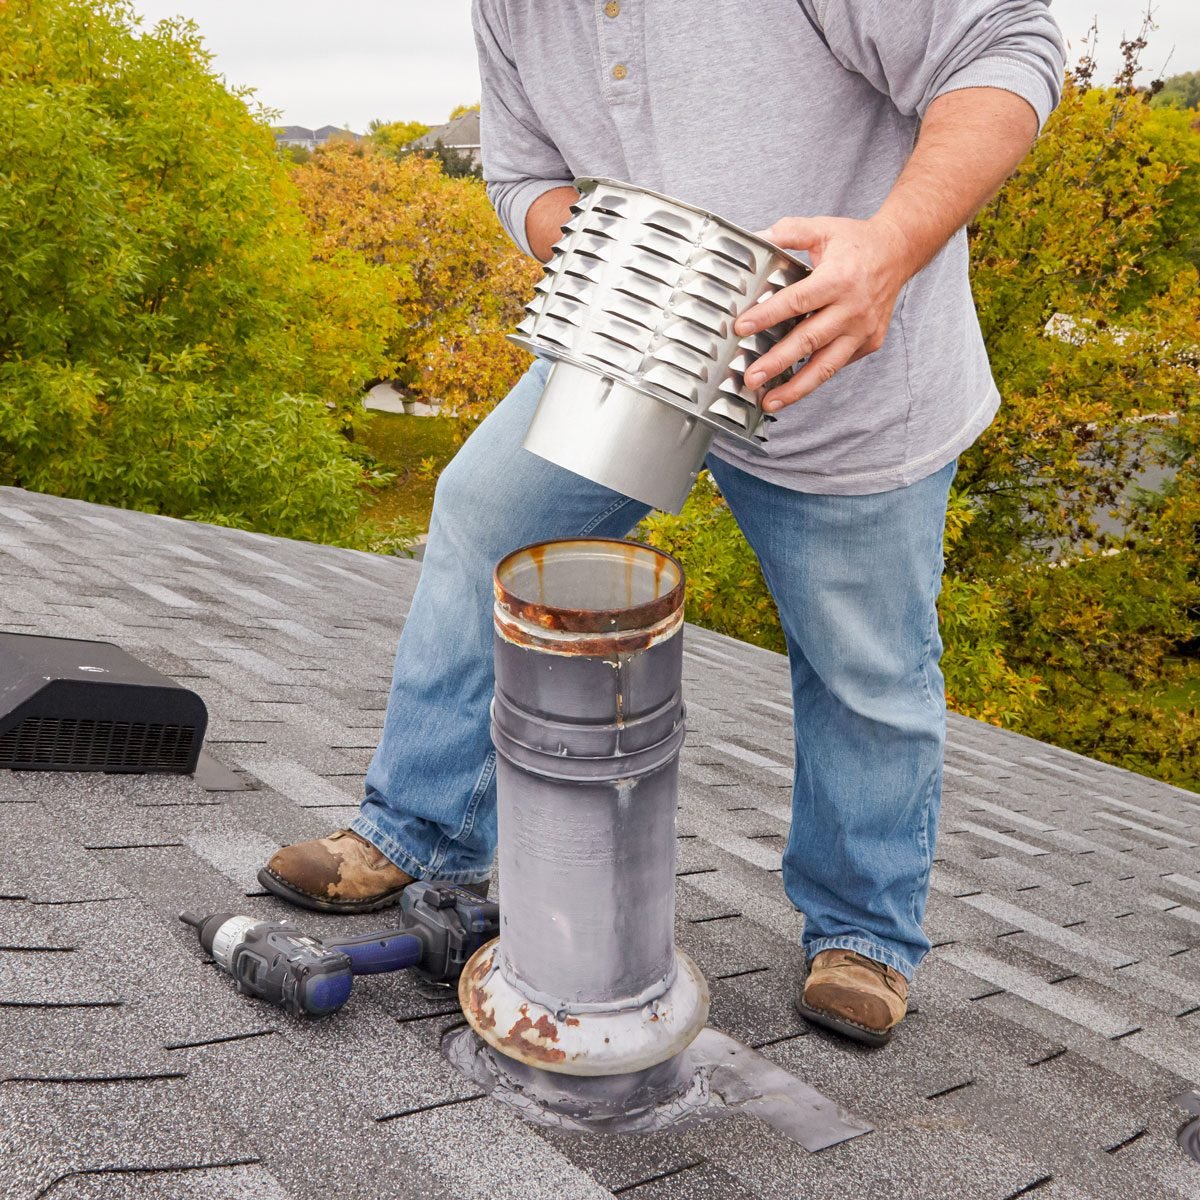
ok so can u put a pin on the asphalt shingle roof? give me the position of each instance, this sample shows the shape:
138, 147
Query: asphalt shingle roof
1059, 1013
460, 133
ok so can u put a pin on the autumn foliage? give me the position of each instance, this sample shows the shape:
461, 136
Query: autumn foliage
457, 282
188, 321
1072, 593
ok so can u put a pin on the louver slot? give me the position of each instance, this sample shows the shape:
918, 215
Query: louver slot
85, 745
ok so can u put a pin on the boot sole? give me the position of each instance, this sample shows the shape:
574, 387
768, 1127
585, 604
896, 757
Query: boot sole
280, 887
857, 1033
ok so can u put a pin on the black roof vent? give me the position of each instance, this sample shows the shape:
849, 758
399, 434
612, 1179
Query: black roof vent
70, 705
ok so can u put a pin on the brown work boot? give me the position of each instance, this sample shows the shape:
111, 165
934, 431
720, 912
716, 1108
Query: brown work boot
854, 995
340, 873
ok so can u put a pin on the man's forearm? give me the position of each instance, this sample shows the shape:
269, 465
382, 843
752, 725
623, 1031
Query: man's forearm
545, 219
970, 142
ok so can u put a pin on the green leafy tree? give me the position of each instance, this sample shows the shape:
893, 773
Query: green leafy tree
395, 137
1180, 91
455, 163
294, 154
167, 341
1174, 137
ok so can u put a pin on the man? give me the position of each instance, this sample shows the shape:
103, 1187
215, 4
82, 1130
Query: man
756, 112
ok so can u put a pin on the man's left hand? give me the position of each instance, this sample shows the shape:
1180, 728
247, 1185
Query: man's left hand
859, 268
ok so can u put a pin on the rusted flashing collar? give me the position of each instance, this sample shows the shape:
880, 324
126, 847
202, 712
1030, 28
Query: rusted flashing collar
518, 632
548, 619
573, 1042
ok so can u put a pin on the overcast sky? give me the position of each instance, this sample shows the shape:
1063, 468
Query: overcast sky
343, 64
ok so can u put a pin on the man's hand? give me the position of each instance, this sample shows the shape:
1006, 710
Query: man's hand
859, 268
970, 141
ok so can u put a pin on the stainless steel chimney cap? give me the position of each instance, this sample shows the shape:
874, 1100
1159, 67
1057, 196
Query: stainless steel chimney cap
636, 311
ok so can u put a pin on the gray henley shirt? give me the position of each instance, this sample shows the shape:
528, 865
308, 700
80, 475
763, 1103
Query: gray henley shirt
760, 109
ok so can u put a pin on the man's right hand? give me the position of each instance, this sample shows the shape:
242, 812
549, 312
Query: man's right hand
545, 219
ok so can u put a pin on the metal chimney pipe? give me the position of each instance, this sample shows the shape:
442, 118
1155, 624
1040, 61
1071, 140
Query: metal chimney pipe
587, 721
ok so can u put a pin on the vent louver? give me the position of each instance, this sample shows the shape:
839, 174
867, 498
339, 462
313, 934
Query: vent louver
86, 745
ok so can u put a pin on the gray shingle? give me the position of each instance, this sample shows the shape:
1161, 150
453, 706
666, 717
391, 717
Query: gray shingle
1059, 1012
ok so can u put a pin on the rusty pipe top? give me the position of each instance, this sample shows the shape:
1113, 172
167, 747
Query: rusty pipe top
588, 595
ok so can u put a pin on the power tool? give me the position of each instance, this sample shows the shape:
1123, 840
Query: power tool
441, 926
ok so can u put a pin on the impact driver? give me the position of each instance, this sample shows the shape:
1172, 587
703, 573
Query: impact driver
441, 926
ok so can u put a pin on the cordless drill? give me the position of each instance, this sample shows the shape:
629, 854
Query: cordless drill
441, 926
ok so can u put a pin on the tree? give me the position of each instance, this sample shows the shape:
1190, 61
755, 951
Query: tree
1180, 91
1175, 137
455, 163
395, 137
1093, 577
433, 243
1073, 562
293, 154
167, 341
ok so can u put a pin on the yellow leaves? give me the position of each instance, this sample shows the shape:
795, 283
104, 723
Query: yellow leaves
458, 283
393, 136
1091, 327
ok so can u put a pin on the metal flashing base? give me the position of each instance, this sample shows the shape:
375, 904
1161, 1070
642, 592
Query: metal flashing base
583, 1040
714, 1077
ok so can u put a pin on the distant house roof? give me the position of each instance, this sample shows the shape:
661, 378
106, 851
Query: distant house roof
1044, 1059
460, 134
301, 133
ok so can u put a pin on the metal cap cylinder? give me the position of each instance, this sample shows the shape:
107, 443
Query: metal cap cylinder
610, 433
587, 721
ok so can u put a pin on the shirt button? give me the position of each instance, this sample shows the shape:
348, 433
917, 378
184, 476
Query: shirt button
612, 9
619, 71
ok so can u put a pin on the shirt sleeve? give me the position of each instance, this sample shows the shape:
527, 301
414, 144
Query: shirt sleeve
520, 161
918, 51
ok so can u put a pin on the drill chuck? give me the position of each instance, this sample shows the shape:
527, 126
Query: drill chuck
276, 962
219, 933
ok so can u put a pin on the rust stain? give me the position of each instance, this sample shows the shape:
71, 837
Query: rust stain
538, 555
632, 617
482, 1018
533, 1047
610, 646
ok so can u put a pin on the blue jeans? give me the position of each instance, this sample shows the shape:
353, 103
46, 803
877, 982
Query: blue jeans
855, 579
